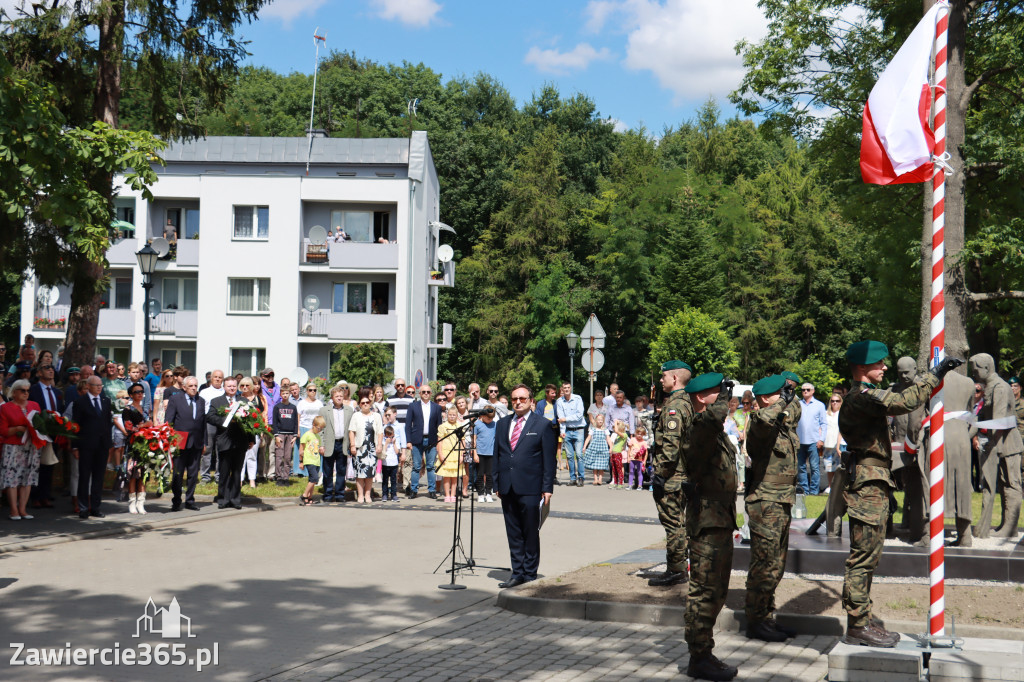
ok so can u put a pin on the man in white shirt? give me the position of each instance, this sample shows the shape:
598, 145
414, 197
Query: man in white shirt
214, 390
475, 401
572, 423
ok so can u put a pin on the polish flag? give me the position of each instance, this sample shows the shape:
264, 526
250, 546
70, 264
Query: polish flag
896, 144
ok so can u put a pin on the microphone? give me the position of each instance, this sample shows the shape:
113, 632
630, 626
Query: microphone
481, 411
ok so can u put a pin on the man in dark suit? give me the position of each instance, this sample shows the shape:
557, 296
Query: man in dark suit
48, 397
232, 442
186, 413
92, 412
421, 422
524, 474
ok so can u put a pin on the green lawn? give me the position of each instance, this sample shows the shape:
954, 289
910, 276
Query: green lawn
296, 487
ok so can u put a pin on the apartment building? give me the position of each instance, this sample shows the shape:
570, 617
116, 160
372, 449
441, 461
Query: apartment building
248, 280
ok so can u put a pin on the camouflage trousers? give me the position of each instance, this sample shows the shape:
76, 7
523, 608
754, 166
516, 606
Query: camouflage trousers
710, 565
769, 542
866, 541
670, 512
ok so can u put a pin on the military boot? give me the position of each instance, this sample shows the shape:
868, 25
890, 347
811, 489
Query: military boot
1011, 514
763, 631
869, 636
876, 625
669, 578
710, 668
784, 629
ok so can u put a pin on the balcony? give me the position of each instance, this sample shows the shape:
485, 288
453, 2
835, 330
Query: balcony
175, 323
51, 318
122, 251
350, 255
444, 276
348, 326
117, 322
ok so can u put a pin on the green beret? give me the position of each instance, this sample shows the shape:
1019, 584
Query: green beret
1013, 380
675, 364
866, 352
792, 376
704, 382
769, 385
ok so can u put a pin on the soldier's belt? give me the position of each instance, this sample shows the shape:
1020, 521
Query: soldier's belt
716, 496
870, 461
782, 480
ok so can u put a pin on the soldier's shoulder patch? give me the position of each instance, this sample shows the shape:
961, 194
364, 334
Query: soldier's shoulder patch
672, 424
671, 412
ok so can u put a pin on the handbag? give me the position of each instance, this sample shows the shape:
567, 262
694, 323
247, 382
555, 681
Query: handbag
350, 472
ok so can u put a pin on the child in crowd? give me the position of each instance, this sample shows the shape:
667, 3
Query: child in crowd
595, 449
637, 457
483, 454
391, 419
310, 445
448, 453
617, 447
389, 472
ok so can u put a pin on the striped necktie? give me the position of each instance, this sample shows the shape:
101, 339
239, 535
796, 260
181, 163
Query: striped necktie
516, 431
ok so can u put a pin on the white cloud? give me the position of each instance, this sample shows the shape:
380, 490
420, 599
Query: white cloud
617, 124
576, 59
689, 45
288, 10
597, 12
409, 12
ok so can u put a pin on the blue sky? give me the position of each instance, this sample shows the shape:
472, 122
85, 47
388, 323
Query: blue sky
644, 62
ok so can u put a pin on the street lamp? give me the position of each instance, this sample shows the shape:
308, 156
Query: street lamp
571, 339
147, 258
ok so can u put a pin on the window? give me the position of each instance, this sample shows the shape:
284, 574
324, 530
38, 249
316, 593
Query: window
252, 222
180, 293
121, 355
338, 305
171, 358
249, 295
191, 222
379, 298
358, 225
126, 213
381, 227
172, 226
355, 300
120, 291
248, 361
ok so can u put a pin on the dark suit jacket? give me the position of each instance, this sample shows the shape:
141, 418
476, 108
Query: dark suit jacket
95, 426
36, 394
232, 437
414, 424
179, 416
530, 468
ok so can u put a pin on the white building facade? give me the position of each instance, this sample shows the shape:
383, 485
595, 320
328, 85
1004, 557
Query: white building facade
245, 287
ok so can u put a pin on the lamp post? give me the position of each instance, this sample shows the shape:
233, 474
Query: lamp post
571, 339
147, 257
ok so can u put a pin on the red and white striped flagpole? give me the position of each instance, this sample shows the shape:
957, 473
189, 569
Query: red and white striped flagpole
936, 562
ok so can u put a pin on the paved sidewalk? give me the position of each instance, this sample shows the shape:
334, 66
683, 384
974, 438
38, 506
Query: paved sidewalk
485, 644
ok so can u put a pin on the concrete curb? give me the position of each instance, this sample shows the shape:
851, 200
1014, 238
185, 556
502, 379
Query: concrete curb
729, 620
141, 526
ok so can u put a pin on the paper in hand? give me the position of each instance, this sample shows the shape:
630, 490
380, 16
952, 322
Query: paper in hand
544, 510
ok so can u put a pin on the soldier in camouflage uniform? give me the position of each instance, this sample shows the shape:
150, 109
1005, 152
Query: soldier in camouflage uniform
1018, 406
673, 426
709, 486
772, 445
863, 423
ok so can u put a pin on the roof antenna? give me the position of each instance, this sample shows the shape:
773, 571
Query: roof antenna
317, 39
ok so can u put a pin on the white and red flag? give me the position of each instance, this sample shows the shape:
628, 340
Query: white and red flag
896, 144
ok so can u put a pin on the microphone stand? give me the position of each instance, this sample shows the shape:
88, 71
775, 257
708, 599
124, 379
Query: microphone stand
457, 546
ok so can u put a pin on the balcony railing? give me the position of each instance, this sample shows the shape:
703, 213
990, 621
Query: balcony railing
51, 317
444, 276
177, 322
350, 255
356, 326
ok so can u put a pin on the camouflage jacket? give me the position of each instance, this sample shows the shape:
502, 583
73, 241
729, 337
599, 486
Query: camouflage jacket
863, 423
670, 438
772, 444
711, 464
1019, 407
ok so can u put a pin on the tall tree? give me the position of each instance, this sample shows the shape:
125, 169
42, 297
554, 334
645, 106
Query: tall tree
785, 81
83, 48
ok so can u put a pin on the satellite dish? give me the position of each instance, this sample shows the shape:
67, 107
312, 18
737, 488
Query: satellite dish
48, 296
153, 307
445, 253
161, 246
299, 376
317, 235
311, 303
